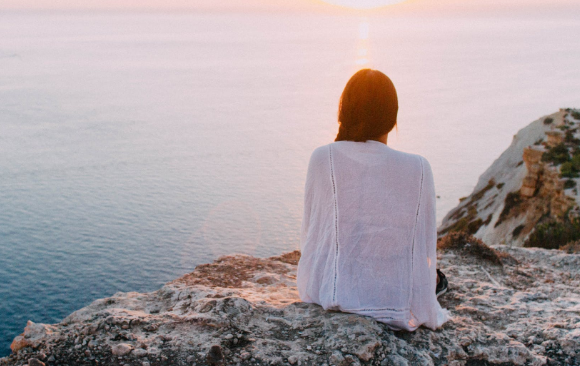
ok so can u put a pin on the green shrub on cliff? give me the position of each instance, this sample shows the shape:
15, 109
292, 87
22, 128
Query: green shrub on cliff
470, 223
571, 169
569, 184
465, 224
557, 155
568, 170
554, 234
569, 137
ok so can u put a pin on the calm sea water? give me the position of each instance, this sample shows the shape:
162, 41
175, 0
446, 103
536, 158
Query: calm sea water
135, 146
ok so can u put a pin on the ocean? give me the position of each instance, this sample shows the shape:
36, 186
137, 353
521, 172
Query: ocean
135, 146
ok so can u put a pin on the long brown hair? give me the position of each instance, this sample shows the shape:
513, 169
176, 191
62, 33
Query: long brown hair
368, 107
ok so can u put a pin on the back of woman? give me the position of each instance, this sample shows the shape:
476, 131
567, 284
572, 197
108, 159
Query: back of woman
369, 233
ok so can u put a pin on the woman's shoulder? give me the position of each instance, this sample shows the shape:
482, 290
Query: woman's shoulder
321, 150
320, 153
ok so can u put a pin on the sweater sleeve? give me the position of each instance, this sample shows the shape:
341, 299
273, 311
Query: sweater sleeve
308, 187
310, 272
425, 308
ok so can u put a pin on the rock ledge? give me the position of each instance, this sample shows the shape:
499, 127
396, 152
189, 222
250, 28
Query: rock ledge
242, 310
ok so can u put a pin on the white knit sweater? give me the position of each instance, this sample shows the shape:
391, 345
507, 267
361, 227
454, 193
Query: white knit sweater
369, 235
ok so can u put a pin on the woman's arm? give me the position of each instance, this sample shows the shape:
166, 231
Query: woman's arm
424, 304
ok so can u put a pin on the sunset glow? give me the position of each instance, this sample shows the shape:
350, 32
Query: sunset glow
363, 54
363, 4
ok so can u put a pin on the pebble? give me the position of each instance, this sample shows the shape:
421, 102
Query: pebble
121, 349
140, 352
35, 362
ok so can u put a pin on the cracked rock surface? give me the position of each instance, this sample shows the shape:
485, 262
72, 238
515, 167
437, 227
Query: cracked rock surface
525, 311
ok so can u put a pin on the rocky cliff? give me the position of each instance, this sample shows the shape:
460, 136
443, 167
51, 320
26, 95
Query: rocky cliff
529, 195
510, 306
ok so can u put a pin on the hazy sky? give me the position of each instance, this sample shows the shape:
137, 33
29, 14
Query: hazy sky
300, 5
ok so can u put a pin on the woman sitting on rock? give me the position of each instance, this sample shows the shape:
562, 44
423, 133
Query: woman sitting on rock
368, 233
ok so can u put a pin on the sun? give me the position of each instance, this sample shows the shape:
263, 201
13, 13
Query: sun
363, 4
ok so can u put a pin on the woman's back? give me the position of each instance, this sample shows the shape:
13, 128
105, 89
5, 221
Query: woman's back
369, 234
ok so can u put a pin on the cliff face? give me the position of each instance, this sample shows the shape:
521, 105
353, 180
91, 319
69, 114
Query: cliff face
525, 186
521, 307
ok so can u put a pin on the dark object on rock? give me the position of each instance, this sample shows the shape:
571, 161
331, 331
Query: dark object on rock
517, 230
441, 287
468, 244
35, 362
215, 356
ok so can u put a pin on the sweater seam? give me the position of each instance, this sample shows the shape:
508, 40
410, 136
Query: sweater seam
335, 224
414, 234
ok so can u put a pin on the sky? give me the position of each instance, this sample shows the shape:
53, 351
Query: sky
450, 6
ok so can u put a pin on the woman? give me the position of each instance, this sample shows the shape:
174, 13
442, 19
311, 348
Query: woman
368, 233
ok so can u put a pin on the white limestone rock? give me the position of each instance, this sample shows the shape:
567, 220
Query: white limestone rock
519, 171
526, 312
